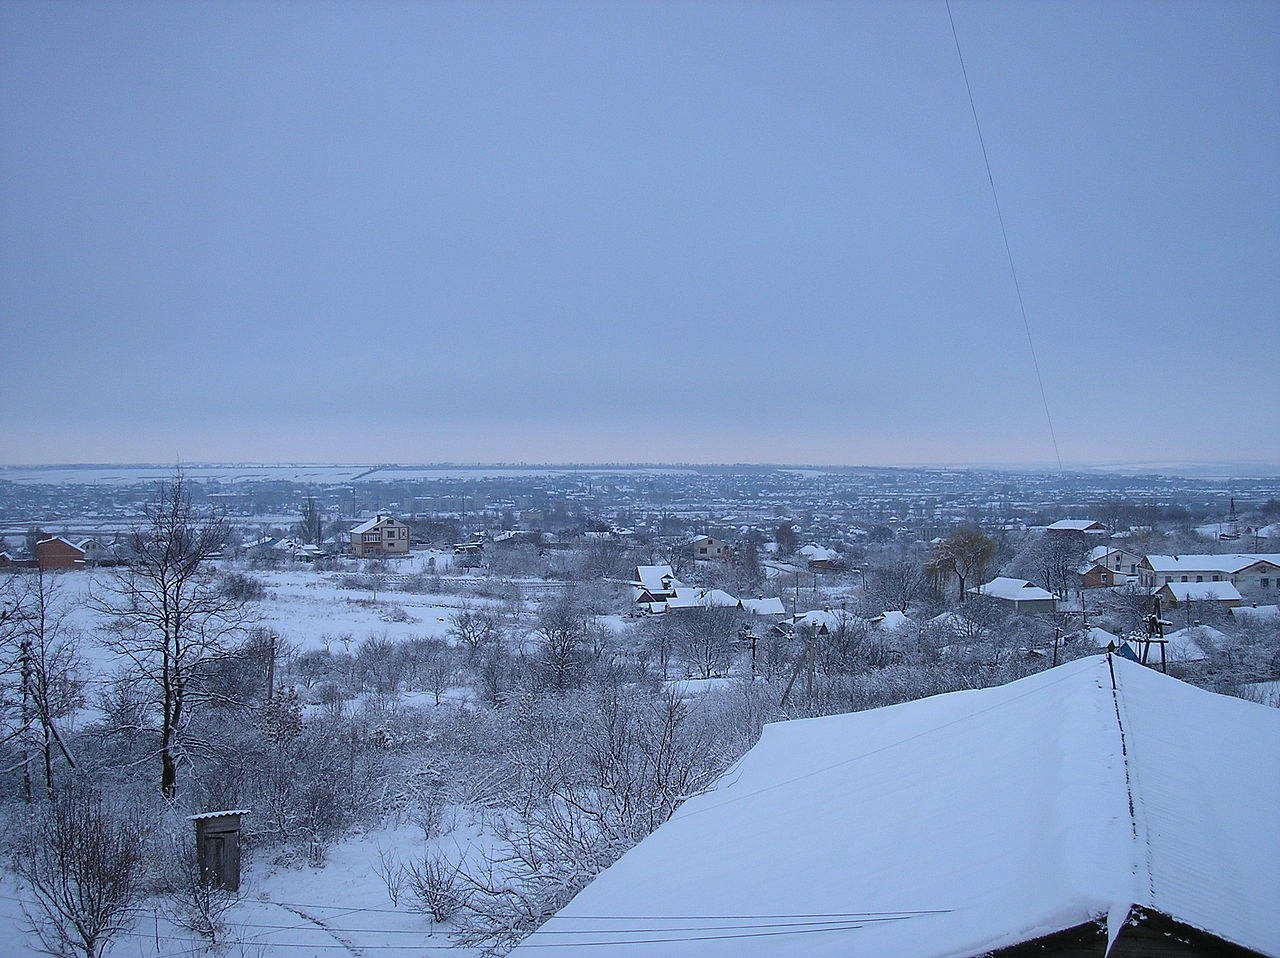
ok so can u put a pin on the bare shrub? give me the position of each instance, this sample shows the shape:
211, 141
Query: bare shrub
437, 886
82, 860
393, 874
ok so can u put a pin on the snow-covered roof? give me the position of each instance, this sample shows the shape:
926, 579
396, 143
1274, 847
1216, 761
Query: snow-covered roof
960, 824
370, 524
1193, 644
1020, 590
1202, 591
770, 606
687, 598
1256, 613
1227, 562
65, 542
1076, 525
656, 578
834, 620
892, 621
1095, 637
816, 553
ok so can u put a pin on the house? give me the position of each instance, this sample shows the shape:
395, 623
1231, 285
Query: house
687, 598
1174, 594
380, 536
1254, 573
1024, 596
58, 553
706, 547
822, 622
893, 622
654, 583
1107, 566
1086, 527
820, 557
771, 606
1194, 644
1097, 807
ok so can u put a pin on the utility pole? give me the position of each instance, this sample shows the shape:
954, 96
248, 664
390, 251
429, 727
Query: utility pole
272, 637
805, 663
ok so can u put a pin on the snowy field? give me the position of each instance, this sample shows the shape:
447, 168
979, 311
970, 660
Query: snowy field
337, 911
285, 911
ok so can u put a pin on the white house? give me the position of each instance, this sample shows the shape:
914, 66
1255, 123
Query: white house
1252, 573
707, 547
1024, 596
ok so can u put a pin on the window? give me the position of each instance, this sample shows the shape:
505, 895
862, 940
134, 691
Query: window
1184, 578
1199, 578
1265, 582
1217, 578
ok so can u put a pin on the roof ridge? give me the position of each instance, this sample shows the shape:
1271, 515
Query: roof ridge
1142, 871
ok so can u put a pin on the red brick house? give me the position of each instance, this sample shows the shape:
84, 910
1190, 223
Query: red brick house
58, 553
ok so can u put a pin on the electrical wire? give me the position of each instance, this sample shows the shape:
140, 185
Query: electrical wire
1026, 324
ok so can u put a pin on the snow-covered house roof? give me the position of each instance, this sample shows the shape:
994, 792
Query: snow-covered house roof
1228, 562
770, 606
1076, 525
1256, 613
1094, 637
962, 824
893, 621
656, 578
831, 620
1013, 590
817, 553
370, 524
1202, 591
688, 598
1193, 644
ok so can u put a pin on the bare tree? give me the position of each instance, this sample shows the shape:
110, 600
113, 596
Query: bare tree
168, 616
312, 525
82, 862
705, 638
965, 554
565, 655
898, 583
40, 657
475, 626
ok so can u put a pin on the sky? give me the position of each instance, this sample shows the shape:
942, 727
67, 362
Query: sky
638, 232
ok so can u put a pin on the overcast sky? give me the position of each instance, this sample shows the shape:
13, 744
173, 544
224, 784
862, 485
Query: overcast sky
656, 231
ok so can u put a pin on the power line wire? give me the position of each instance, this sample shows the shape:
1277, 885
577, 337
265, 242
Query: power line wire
1022, 307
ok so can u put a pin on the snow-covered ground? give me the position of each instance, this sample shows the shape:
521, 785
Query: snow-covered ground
287, 911
336, 911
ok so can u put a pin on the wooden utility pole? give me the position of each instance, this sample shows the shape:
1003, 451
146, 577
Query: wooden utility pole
272, 637
805, 663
